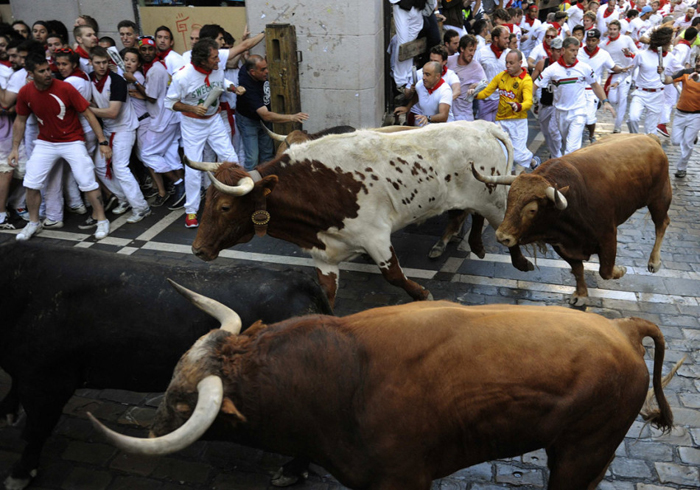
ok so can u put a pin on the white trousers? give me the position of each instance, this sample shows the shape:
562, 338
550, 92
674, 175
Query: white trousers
195, 134
159, 150
685, 129
652, 103
408, 24
571, 130
61, 178
618, 96
517, 130
670, 99
46, 154
591, 107
122, 183
550, 130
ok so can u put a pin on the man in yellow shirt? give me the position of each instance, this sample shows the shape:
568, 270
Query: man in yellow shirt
515, 98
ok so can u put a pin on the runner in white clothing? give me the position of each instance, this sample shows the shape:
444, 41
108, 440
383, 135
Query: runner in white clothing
598, 60
622, 50
164, 42
570, 77
434, 96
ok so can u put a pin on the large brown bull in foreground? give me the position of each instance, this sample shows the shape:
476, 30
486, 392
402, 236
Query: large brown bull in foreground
394, 397
575, 203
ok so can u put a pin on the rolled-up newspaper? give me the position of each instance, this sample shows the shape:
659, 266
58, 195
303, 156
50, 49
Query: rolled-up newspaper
479, 87
116, 57
660, 50
213, 96
414, 77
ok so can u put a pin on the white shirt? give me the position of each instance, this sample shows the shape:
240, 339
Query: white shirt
682, 54
638, 28
156, 85
575, 14
602, 21
600, 60
139, 105
85, 88
173, 62
624, 26
223, 58
450, 78
531, 32
538, 53
647, 62
656, 19
189, 87
569, 86
430, 103
126, 119
614, 48
5, 74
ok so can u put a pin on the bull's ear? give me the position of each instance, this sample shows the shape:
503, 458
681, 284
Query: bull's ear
230, 409
564, 190
268, 183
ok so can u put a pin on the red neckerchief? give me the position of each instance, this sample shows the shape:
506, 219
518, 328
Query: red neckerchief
612, 40
687, 19
496, 51
563, 63
530, 21
547, 49
509, 26
205, 72
632, 5
147, 66
444, 70
683, 41
80, 74
589, 28
607, 13
83, 54
437, 86
163, 54
99, 84
6, 63
595, 52
557, 27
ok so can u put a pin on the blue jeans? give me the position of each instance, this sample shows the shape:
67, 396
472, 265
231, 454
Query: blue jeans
256, 142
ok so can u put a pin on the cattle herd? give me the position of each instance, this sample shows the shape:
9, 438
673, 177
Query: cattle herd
389, 398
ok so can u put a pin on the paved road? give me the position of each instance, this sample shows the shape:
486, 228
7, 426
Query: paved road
75, 458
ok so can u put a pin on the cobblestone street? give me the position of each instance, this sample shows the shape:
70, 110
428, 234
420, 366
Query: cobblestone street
77, 458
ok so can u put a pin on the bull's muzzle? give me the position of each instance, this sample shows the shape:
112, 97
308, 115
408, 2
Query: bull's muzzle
506, 238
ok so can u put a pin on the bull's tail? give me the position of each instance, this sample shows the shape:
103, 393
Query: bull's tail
661, 417
502, 136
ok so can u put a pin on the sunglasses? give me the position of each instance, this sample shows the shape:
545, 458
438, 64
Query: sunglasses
64, 51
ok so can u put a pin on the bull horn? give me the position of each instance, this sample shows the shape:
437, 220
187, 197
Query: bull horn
492, 179
245, 185
274, 136
204, 166
211, 394
557, 198
230, 321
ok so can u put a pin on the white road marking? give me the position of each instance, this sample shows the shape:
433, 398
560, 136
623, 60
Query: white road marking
161, 225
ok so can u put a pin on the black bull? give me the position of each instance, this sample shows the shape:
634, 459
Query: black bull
82, 318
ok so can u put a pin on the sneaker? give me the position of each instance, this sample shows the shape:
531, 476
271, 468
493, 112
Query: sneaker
535, 162
102, 229
616, 130
661, 128
6, 225
137, 216
77, 210
22, 213
681, 173
30, 229
90, 222
170, 188
191, 221
160, 200
111, 202
121, 208
50, 224
148, 193
178, 197
147, 183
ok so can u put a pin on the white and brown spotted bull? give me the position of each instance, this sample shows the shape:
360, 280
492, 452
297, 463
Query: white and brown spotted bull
575, 203
395, 397
346, 194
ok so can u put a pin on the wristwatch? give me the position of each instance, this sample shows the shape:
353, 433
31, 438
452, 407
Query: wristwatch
104, 143
604, 101
428, 118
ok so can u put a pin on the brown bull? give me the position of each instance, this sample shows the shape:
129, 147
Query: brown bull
575, 203
394, 397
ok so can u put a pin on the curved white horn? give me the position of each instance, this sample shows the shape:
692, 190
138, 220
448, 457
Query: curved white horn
204, 166
211, 394
492, 179
245, 185
274, 136
557, 198
230, 321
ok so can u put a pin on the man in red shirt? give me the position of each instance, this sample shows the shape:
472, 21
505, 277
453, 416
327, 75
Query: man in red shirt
56, 105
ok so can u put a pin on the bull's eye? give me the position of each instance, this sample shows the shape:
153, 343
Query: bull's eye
225, 209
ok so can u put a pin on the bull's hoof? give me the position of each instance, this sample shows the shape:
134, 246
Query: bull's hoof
478, 251
19, 483
618, 272
577, 300
523, 265
437, 250
279, 479
653, 268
